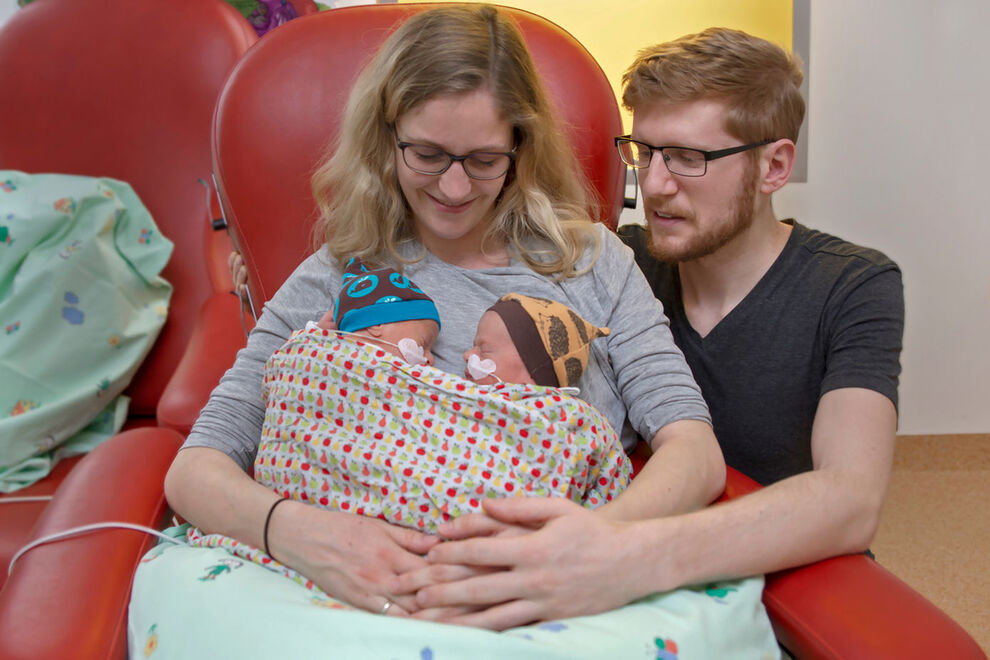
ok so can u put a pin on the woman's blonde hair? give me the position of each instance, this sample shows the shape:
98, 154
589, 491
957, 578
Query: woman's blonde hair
449, 50
757, 80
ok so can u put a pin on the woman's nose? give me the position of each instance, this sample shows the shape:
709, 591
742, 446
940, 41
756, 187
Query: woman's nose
455, 184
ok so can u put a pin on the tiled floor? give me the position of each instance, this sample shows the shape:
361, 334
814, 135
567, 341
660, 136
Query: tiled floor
935, 530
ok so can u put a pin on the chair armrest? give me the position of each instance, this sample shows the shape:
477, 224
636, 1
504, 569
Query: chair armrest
69, 598
852, 607
215, 340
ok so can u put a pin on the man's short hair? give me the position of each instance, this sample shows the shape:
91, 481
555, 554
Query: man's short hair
757, 80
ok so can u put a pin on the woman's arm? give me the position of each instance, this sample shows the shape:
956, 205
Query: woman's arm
685, 472
662, 400
351, 557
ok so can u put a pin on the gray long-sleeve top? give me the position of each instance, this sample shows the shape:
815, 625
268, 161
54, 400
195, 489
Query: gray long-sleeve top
636, 376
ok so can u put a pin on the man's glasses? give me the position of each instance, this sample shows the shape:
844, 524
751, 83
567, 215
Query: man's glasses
679, 160
481, 165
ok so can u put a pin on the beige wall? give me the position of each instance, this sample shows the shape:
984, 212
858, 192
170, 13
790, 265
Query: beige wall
898, 159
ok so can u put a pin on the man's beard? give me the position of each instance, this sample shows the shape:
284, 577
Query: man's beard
740, 218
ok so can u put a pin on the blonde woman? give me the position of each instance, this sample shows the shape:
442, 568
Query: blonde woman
451, 168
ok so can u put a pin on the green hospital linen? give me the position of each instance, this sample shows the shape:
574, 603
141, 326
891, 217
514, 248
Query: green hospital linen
190, 602
81, 303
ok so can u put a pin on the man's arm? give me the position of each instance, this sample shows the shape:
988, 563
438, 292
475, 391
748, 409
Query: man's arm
829, 511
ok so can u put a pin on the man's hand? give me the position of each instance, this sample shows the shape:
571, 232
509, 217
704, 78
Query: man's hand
497, 575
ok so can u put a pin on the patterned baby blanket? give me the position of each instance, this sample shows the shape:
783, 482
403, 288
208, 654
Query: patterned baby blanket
354, 428
350, 426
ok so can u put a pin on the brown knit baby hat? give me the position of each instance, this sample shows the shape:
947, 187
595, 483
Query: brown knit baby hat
552, 339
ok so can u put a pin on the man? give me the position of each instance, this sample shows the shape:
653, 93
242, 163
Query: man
794, 337
781, 325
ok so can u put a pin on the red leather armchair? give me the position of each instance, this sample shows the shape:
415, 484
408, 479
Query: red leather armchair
122, 89
277, 112
843, 607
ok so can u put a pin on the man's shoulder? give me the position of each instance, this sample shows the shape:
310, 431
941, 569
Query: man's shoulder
833, 250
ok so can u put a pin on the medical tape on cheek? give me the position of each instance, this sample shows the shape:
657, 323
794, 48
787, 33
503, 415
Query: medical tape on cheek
411, 351
479, 368
409, 348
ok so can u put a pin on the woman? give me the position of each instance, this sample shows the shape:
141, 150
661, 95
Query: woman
451, 168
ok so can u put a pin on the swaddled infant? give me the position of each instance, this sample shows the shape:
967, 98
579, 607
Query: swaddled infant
358, 420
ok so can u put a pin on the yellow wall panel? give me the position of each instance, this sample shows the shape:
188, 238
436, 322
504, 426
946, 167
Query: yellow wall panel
614, 30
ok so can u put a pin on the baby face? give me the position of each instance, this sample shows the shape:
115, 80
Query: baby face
422, 331
493, 342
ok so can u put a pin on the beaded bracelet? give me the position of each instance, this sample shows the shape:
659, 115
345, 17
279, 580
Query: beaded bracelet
268, 519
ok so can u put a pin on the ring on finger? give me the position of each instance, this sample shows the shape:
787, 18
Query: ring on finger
386, 607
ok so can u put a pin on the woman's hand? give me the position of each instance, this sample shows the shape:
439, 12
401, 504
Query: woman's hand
351, 557
496, 575
238, 273
467, 526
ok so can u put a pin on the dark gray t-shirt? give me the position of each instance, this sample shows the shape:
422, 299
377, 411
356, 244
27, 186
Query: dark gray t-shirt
636, 376
827, 315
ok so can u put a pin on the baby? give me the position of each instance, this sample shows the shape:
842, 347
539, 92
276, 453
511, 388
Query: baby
358, 420
384, 308
522, 339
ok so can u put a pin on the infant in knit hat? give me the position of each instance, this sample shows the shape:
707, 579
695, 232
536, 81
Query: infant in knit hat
520, 339
524, 339
385, 308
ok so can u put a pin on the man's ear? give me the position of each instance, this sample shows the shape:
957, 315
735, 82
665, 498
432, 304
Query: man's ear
777, 164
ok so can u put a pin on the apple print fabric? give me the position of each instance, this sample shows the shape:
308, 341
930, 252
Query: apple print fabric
351, 427
354, 428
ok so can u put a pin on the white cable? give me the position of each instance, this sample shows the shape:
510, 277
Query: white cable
25, 498
73, 531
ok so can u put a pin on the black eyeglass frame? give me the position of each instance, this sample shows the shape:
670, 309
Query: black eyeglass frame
707, 155
454, 158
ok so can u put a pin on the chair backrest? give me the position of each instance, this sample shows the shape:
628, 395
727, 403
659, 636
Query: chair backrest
126, 89
282, 106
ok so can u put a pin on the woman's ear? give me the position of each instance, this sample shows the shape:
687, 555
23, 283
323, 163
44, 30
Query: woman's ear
777, 164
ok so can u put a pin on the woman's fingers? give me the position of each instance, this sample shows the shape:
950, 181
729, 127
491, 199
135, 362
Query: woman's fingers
401, 605
351, 557
413, 542
238, 272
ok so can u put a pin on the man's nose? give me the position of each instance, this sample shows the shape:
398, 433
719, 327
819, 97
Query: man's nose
657, 179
